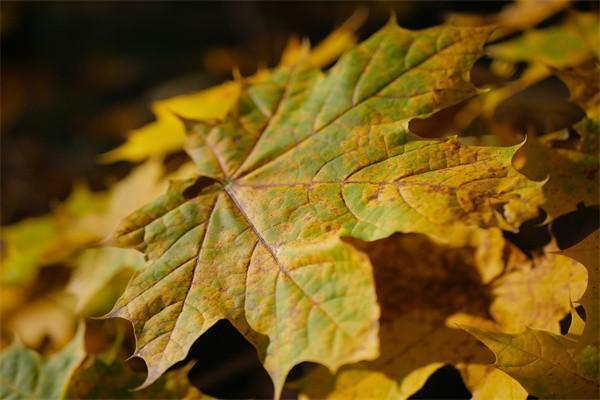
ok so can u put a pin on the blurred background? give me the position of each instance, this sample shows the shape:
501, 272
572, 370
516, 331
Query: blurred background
77, 76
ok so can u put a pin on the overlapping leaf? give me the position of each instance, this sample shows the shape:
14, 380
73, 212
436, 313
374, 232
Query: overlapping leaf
425, 291
302, 159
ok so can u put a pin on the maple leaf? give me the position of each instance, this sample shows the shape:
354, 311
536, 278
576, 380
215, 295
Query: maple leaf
586, 252
23, 375
302, 159
544, 363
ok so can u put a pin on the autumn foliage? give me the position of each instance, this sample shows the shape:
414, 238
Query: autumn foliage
332, 216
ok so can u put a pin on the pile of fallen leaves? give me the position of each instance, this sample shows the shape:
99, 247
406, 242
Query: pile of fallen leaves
315, 221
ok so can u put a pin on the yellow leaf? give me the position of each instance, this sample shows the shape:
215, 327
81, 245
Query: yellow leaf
583, 82
485, 382
424, 290
519, 15
544, 363
336, 43
538, 293
167, 133
587, 253
48, 317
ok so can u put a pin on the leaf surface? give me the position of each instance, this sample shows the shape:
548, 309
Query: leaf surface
587, 253
486, 382
303, 158
24, 375
422, 289
536, 293
545, 363
572, 176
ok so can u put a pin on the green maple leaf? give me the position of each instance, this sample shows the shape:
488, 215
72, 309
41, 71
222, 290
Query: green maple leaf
24, 375
302, 159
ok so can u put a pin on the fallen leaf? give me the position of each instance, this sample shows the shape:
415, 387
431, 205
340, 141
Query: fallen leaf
42, 240
47, 319
519, 15
327, 51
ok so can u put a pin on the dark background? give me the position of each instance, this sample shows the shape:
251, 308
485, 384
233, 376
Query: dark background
77, 76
